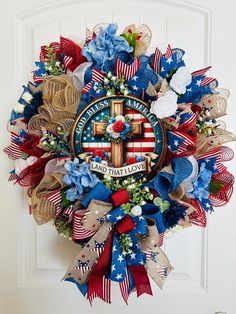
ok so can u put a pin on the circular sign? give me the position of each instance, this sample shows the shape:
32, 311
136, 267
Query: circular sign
148, 137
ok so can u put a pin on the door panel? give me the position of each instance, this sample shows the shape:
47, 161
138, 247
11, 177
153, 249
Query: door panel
42, 255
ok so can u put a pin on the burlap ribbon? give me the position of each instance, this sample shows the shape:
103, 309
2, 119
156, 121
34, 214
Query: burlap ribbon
61, 101
157, 263
42, 209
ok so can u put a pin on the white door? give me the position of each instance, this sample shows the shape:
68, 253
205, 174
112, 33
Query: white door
33, 258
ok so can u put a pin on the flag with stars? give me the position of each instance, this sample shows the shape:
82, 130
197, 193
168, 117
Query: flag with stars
118, 263
134, 146
39, 73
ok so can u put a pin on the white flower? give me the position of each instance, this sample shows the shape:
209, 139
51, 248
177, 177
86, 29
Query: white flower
126, 92
131, 187
107, 177
27, 97
21, 164
125, 182
106, 81
109, 129
104, 162
180, 80
146, 189
165, 106
109, 93
19, 108
115, 135
136, 210
119, 117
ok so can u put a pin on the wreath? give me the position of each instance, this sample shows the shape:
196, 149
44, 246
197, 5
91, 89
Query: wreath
120, 149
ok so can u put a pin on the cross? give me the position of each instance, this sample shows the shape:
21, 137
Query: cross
117, 149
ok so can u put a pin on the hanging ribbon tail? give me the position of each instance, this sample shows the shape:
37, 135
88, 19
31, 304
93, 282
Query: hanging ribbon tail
95, 284
141, 279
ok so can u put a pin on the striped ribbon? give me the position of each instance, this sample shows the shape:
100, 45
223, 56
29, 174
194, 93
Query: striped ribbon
207, 80
201, 72
106, 291
13, 150
169, 52
127, 70
157, 61
80, 233
97, 76
124, 288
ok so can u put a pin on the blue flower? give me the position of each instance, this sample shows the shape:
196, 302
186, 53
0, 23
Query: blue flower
201, 184
105, 45
79, 178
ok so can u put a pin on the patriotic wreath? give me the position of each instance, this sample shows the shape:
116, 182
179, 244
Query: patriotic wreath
120, 149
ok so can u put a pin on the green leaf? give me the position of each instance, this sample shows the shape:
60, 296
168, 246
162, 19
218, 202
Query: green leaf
215, 186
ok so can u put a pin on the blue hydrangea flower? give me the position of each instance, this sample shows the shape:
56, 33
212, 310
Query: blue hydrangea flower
201, 184
105, 45
79, 178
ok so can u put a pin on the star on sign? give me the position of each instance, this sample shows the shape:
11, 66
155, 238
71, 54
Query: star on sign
169, 60
135, 87
119, 276
120, 258
162, 69
134, 78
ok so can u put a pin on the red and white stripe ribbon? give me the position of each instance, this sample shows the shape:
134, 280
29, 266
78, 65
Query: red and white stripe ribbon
168, 53
97, 76
13, 150
124, 288
201, 72
157, 61
127, 70
79, 232
207, 80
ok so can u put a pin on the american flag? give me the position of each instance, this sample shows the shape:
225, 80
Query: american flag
134, 146
13, 150
213, 160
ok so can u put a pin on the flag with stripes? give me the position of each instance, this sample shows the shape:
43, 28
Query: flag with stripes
13, 150
127, 70
106, 291
69, 213
79, 233
178, 142
168, 53
213, 160
39, 73
157, 61
134, 146
97, 76
13, 176
201, 72
163, 272
124, 288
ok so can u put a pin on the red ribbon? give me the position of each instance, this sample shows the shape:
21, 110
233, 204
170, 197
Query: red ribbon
95, 283
125, 225
30, 145
141, 279
120, 197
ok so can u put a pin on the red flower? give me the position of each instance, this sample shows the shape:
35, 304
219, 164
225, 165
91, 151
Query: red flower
131, 160
118, 126
98, 153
